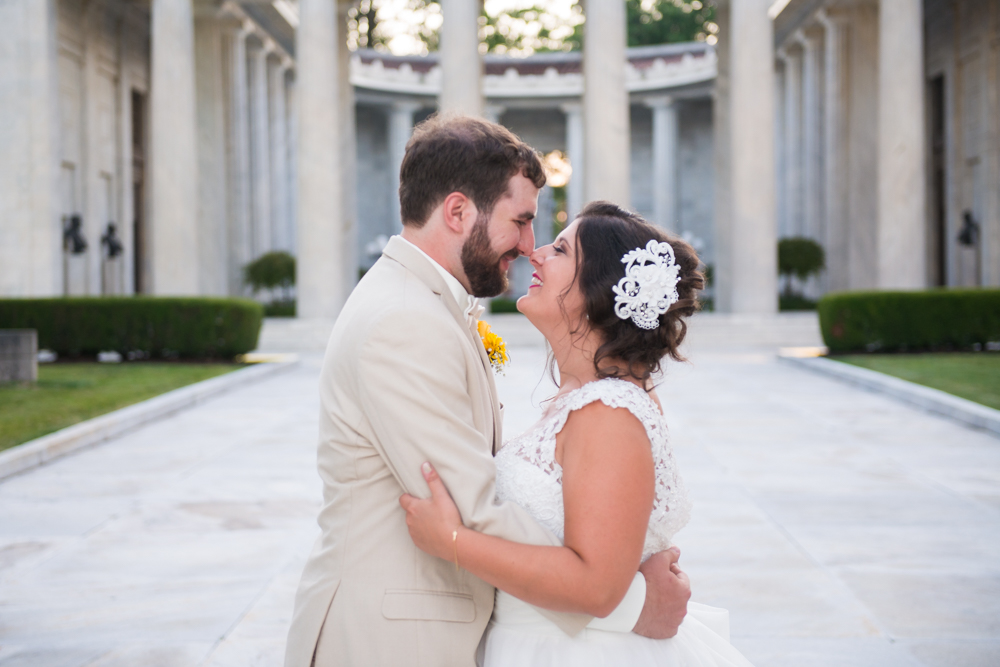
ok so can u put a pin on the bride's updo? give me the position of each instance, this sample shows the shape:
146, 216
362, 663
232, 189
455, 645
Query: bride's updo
604, 234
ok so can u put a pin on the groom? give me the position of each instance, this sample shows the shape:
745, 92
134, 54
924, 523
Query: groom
406, 380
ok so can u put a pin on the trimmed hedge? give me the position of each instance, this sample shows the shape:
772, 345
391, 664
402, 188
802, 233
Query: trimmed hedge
140, 326
501, 304
938, 319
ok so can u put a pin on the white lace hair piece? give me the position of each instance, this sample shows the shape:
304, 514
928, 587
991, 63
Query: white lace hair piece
649, 287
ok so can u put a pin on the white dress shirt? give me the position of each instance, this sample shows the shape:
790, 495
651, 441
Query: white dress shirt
469, 304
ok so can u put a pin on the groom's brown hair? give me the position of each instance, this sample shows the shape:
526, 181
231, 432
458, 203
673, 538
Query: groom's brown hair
453, 153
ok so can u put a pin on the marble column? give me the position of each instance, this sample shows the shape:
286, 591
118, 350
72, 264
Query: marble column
835, 116
31, 255
213, 241
812, 133
902, 187
792, 141
991, 214
260, 148
238, 151
278, 132
320, 285
607, 136
351, 255
173, 204
461, 64
721, 289
574, 151
665, 162
862, 147
400, 129
291, 143
753, 274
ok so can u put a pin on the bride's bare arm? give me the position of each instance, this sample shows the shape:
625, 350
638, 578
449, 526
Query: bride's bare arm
608, 482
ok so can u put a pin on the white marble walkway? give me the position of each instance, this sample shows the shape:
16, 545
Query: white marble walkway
838, 526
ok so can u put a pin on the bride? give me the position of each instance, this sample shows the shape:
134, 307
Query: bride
610, 295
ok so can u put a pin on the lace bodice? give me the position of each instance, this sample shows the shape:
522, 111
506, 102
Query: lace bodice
528, 474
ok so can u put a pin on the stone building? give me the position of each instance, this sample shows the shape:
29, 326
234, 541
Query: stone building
174, 122
147, 147
197, 175
889, 138
157, 146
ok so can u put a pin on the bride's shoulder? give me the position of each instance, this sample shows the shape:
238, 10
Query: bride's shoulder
601, 419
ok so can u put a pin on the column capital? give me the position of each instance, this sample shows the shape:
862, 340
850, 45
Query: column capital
832, 18
571, 108
790, 50
232, 26
808, 38
660, 101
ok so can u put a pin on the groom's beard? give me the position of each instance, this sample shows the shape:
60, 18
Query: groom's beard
482, 264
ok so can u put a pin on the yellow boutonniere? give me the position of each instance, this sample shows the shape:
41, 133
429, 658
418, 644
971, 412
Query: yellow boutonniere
496, 349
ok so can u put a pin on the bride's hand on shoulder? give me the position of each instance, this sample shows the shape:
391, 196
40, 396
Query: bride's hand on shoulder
432, 521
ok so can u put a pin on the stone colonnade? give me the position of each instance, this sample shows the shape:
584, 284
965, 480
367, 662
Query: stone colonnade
852, 169
259, 209
221, 148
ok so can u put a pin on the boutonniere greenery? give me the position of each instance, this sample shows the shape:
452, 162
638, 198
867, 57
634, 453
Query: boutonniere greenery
496, 349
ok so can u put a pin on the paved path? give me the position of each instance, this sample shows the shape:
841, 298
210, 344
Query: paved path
838, 526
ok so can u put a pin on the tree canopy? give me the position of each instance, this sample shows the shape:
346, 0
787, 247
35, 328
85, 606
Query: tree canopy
412, 25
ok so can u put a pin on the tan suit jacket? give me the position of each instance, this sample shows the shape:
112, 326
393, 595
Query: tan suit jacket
404, 380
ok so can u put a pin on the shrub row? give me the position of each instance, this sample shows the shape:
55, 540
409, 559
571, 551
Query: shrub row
939, 319
501, 304
138, 327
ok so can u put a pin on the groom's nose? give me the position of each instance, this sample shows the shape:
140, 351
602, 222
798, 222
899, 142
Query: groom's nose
526, 244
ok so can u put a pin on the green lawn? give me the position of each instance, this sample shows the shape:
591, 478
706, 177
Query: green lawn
971, 375
70, 393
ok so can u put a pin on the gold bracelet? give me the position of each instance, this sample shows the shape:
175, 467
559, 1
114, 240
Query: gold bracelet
454, 542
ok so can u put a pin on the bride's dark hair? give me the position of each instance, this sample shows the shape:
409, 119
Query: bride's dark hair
604, 233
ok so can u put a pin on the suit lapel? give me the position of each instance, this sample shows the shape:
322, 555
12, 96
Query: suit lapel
420, 266
494, 400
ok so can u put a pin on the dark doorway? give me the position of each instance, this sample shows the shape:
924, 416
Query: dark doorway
938, 231
139, 241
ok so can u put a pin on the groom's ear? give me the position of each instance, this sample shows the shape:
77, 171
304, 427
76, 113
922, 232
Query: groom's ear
459, 213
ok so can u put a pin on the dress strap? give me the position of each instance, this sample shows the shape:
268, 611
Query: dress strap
615, 393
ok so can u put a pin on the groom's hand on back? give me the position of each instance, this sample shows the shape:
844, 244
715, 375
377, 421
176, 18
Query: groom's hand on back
667, 593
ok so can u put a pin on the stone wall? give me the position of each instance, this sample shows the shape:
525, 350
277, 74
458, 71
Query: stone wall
963, 55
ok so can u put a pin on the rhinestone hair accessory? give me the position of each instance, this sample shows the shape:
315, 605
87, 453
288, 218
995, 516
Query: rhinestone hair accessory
649, 287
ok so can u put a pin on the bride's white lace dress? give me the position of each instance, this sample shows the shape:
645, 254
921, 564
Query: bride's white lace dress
528, 474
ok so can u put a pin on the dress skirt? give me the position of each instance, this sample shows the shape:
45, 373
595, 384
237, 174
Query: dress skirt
518, 636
